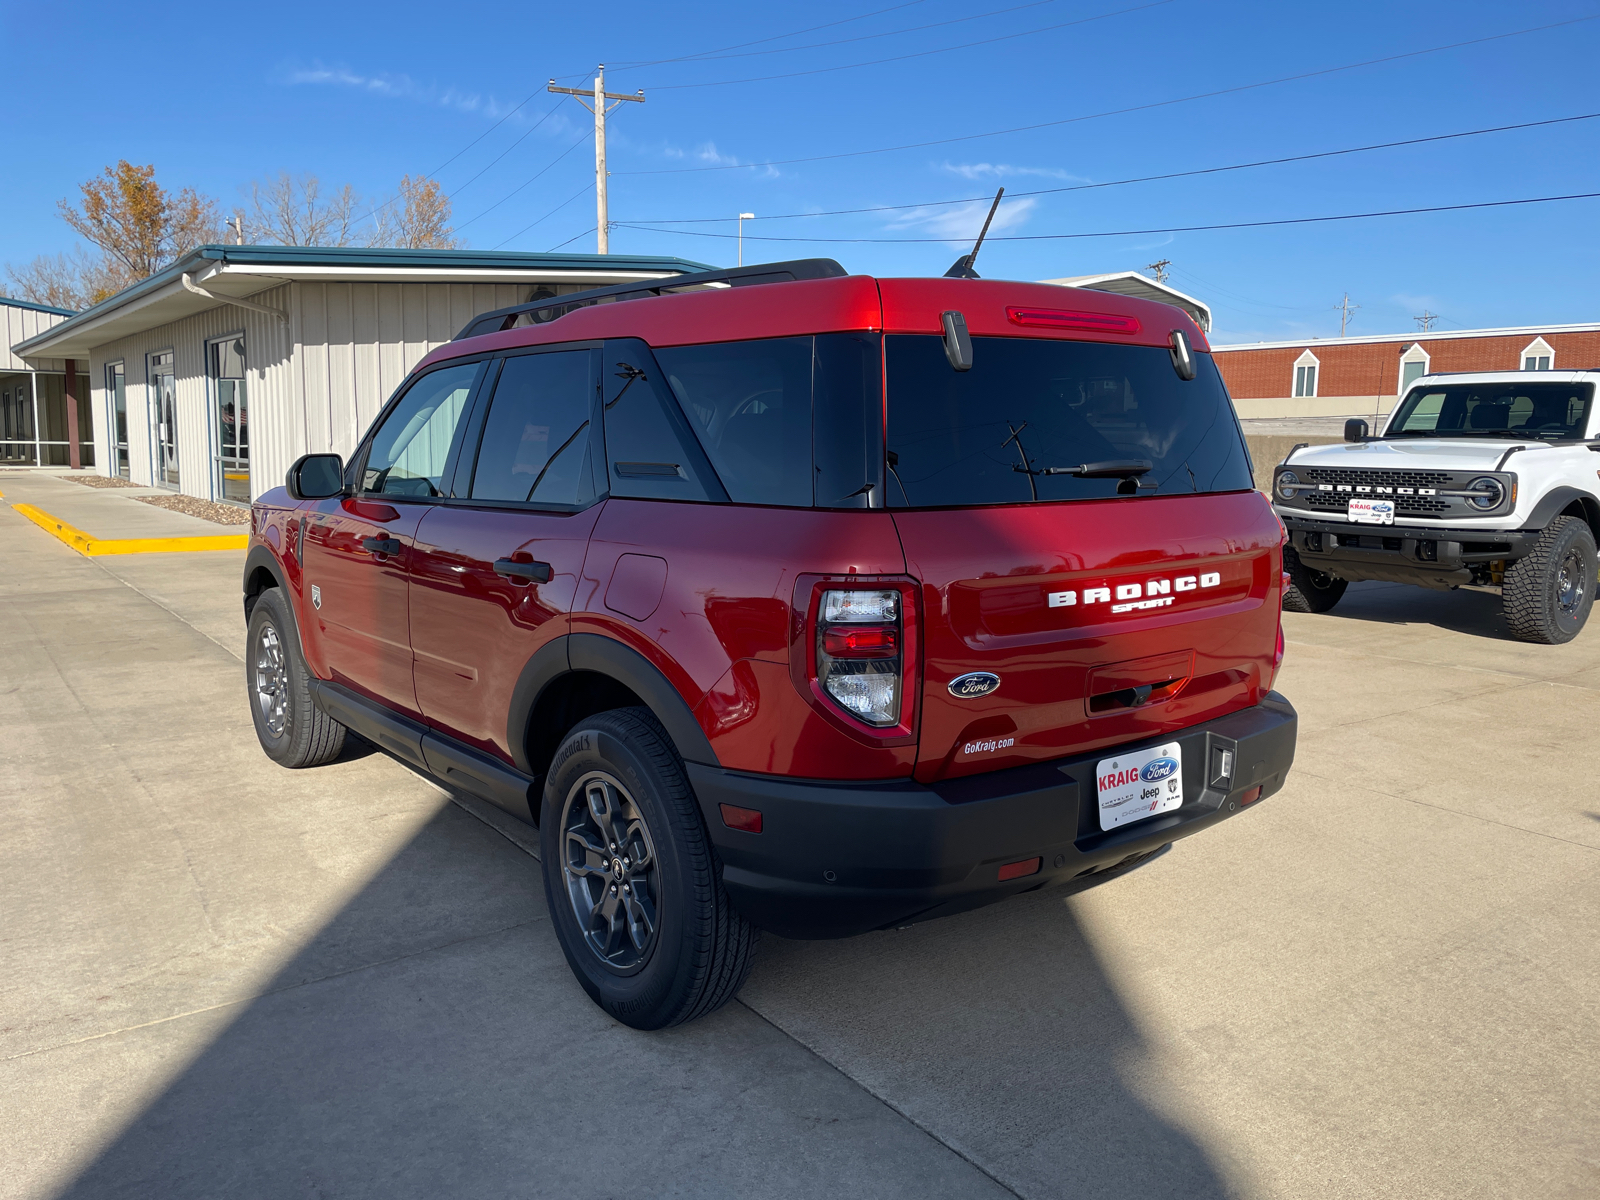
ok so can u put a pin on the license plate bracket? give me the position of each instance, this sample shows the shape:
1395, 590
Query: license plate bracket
1139, 784
1371, 512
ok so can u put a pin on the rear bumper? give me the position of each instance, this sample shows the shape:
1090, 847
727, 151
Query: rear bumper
836, 859
1438, 558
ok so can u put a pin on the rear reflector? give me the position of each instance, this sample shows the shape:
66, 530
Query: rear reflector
1062, 318
1250, 797
747, 819
1016, 870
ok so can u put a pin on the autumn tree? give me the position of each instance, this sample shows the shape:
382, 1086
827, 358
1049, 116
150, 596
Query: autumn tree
290, 211
139, 225
418, 218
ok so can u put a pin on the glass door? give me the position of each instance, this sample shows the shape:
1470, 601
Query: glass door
226, 366
117, 394
164, 418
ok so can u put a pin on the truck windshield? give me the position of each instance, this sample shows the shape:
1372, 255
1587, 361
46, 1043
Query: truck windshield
1498, 409
1030, 410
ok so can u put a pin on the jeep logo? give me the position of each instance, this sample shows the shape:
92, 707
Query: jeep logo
1152, 593
978, 683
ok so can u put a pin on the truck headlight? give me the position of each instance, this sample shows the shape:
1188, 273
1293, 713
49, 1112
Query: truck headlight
1485, 493
1288, 484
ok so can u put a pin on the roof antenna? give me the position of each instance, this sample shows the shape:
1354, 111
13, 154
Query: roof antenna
962, 267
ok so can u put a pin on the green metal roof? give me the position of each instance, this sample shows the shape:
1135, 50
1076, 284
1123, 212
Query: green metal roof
29, 304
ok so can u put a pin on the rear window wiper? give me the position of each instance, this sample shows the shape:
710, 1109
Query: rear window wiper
1117, 468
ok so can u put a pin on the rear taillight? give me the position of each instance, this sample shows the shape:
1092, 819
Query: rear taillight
859, 642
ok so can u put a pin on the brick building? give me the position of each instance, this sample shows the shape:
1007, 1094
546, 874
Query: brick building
1364, 376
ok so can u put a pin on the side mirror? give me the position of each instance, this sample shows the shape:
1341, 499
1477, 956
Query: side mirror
315, 477
1182, 355
1355, 430
957, 342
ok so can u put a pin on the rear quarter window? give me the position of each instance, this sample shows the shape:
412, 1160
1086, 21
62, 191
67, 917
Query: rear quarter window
1030, 406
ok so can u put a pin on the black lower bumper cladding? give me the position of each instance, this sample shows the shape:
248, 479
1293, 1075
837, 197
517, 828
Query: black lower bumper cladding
836, 859
1438, 558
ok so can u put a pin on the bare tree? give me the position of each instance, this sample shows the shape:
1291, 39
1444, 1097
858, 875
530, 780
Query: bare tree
139, 225
289, 211
416, 219
73, 280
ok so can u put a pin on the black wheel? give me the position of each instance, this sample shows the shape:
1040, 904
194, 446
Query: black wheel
1309, 591
632, 880
1547, 595
292, 730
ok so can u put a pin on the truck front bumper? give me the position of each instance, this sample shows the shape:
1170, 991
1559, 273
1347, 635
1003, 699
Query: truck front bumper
837, 859
1436, 558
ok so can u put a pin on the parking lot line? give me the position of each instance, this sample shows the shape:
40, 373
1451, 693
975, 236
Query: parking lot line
92, 547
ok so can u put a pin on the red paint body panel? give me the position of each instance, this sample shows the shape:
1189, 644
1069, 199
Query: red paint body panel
987, 574
725, 621
473, 630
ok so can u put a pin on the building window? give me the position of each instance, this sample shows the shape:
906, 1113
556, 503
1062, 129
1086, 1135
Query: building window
1413, 366
1538, 356
1305, 375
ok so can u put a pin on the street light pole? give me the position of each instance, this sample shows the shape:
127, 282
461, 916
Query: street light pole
743, 217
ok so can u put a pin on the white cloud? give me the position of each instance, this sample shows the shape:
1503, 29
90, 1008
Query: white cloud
708, 153
1005, 171
403, 87
960, 223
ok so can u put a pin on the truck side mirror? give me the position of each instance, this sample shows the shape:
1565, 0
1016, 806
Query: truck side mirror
315, 477
1355, 430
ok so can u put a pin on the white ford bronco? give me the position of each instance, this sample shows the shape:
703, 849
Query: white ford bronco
1485, 478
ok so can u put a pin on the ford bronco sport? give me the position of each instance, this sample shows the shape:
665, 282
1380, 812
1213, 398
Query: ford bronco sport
1483, 478
782, 598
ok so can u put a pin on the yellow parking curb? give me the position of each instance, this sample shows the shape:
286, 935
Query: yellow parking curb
92, 547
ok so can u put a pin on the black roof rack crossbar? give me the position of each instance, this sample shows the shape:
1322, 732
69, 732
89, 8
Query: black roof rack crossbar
539, 312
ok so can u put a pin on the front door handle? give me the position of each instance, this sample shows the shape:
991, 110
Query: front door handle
537, 572
390, 546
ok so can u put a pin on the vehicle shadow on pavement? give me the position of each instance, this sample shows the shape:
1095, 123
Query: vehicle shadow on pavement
1001, 1030
431, 1041
1474, 613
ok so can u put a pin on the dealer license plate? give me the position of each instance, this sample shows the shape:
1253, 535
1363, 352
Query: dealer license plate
1139, 785
1372, 512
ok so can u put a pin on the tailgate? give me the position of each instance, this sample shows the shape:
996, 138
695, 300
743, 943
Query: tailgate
1105, 622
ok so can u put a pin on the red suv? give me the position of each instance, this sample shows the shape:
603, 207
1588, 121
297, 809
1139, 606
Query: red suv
789, 599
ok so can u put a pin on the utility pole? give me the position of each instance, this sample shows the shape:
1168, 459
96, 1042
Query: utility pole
743, 217
1345, 309
1426, 320
599, 109
1159, 269
236, 227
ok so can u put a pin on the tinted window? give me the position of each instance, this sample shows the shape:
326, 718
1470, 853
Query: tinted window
412, 446
1542, 410
1027, 406
847, 426
750, 405
651, 454
535, 445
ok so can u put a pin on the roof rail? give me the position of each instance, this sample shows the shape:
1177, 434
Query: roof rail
542, 311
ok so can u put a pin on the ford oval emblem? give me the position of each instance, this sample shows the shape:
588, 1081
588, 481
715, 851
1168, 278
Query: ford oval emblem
1158, 769
979, 683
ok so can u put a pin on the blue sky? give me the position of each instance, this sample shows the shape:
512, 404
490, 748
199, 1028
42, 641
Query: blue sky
217, 96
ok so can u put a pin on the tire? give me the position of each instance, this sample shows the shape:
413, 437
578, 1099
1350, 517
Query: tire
1309, 591
1547, 595
291, 728
661, 945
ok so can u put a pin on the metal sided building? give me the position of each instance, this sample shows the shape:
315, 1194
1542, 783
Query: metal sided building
44, 404
214, 375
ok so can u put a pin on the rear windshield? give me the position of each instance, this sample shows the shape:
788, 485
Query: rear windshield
1029, 406
1541, 410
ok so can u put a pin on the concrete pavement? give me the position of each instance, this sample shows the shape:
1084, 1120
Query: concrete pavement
222, 978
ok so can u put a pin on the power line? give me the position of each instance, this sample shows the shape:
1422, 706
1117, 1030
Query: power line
580, 192
587, 134
570, 240
777, 37
1007, 37
1117, 112
456, 191
1085, 187
1052, 237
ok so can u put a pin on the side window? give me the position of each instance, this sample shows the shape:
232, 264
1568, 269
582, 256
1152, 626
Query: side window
749, 403
651, 454
412, 446
535, 446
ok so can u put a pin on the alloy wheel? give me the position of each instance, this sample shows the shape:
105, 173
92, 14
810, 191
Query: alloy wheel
609, 867
1571, 584
272, 680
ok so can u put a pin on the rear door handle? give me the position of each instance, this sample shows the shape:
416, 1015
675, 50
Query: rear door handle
537, 572
389, 546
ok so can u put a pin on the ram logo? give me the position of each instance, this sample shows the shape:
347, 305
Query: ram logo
1158, 769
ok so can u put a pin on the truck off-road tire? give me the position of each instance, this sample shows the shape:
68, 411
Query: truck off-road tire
291, 728
1309, 591
631, 877
1547, 594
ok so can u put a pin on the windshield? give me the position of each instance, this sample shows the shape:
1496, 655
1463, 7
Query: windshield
1539, 410
1030, 411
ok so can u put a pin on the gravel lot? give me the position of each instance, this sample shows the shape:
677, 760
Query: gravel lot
100, 481
206, 510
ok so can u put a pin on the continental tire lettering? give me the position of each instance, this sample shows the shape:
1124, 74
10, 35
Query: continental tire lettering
576, 745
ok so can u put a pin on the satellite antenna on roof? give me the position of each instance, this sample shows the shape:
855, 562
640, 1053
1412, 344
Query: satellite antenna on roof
962, 267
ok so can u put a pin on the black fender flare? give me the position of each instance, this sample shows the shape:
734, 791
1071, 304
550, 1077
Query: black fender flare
603, 656
1559, 499
261, 558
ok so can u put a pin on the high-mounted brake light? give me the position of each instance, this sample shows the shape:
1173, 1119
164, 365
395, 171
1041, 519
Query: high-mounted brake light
1062, 318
